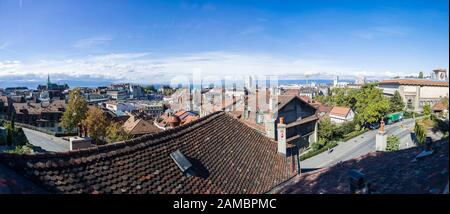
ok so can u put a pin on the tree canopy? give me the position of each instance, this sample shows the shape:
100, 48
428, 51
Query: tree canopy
96, 124
420, 75
396, 103
368, 103
115, 133
75, 111
426, 110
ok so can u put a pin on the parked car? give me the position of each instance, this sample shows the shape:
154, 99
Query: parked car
393, 118
373, 126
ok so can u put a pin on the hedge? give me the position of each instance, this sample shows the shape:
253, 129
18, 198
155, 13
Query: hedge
309, 154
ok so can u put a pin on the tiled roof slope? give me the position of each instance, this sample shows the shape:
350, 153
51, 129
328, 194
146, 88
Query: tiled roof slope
420, 82
387, 172
340, 111
228, 157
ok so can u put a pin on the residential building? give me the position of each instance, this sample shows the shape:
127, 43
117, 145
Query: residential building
416, 92
43, 114
299, 116
137, 126
171, 120
119, 107
4, 106
117, 94
16, 90
308, 92
440, 108
341, 114
152, 108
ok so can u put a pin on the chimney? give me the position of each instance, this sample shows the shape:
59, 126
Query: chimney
281, 137
223, 95
234, 97
246, 103
191, 98
213, 103
257, 96
358, 183
272, 103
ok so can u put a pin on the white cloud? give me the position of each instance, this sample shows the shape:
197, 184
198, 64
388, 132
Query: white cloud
377, 31
92, 42
148, 68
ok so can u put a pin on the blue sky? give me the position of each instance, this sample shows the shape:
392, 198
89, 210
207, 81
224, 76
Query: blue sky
145, 41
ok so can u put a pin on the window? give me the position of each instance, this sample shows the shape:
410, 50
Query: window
409, 104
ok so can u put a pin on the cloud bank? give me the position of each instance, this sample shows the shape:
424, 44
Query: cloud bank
148, 68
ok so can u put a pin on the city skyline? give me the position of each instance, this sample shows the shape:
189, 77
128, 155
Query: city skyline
151, 42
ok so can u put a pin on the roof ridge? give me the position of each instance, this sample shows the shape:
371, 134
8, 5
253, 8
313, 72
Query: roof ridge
154, 138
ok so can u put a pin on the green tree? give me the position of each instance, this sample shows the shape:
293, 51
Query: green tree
13, 122
96, 124
21, 138
115, 133
150, 89
396, 103
421, 75
75, 111
9, 134
326, 129
420, 131
426, 110
393, 143
370, 105
319, 144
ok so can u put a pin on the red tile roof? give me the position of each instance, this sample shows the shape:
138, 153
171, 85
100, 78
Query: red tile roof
138, 126
419, 82
387, 172
439, 106
340, 111
227, 156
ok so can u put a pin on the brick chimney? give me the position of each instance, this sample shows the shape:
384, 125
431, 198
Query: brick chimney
223, 96
234, 97
281, 137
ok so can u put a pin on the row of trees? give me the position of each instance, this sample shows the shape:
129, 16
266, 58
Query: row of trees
368, 103
329, 132
369, 106
94, 120
14, 135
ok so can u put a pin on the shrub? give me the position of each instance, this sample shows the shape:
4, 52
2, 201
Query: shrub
319, 144
312, 153
393, 143
420, 131
20, 139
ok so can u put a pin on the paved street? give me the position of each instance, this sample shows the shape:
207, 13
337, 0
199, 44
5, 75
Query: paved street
46, 141
360, 145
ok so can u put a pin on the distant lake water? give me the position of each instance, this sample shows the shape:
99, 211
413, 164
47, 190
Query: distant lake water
97, 83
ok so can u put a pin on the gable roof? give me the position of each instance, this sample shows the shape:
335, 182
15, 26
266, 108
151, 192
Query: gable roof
340, 111
55, 106
228, 157
285, 99
439, 106
418, 82
138, 126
